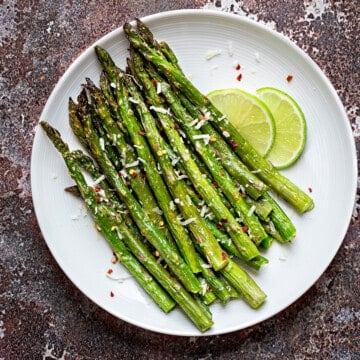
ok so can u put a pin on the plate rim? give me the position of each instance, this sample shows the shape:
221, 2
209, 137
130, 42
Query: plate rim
216, 14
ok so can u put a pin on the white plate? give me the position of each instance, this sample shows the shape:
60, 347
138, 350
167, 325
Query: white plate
328, 167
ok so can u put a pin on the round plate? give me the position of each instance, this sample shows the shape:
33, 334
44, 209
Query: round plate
327, 168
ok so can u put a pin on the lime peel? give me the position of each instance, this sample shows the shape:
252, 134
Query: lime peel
290, 124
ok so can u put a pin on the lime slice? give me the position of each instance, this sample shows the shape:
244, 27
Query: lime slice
248, 114
290, 137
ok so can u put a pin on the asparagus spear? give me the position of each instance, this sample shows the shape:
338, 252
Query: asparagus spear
204, 237
156, 182
206, 189
130, 161
220, 175
272, 177
116, 232
106, 222
147, 227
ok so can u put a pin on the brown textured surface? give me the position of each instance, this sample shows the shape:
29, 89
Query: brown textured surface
42, 315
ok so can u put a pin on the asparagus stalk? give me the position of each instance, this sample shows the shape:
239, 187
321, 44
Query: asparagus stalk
220, 175
206, 189
267, 173
106, 222
244, 284
130, 161
156, 182
147, 227
204, 237
254, 187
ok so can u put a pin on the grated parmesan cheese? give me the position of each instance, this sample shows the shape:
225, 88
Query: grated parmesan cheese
205, 137
212, 53
230, 48
99, 180
160, 109
172, 205
200, 124
132, 100
141, 160
102, 144
251, 210
187, 221
133, 164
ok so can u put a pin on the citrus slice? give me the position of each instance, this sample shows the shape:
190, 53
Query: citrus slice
249, 115
290, 124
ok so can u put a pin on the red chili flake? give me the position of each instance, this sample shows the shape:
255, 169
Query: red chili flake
97, 188
243, 195
142, 133
120, 174
239, 77
176, 126
289, 78
219, 225
111, 294
110, 271
224, 255
154, 82
233, 144
244, 228
310, 190
134, 175
237, 67
99, 200
156, 146
216, 185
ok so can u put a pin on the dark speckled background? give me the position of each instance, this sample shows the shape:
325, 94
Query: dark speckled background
42, 315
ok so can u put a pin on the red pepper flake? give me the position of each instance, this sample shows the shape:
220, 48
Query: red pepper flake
142, 133
216, 185
97, 188
219, 226
176, 126
224, 255
156, 146
154, 82
243, 195
238, 67
289, 78
120, 174
134, 175
110, 271
111, 294
99, 200
310, 190
233, 144
239, 77
244, 228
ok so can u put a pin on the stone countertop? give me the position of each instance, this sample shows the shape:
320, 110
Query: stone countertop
42, 314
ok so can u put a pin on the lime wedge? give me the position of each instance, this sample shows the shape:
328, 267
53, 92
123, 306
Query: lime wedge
249, 115
290, 136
